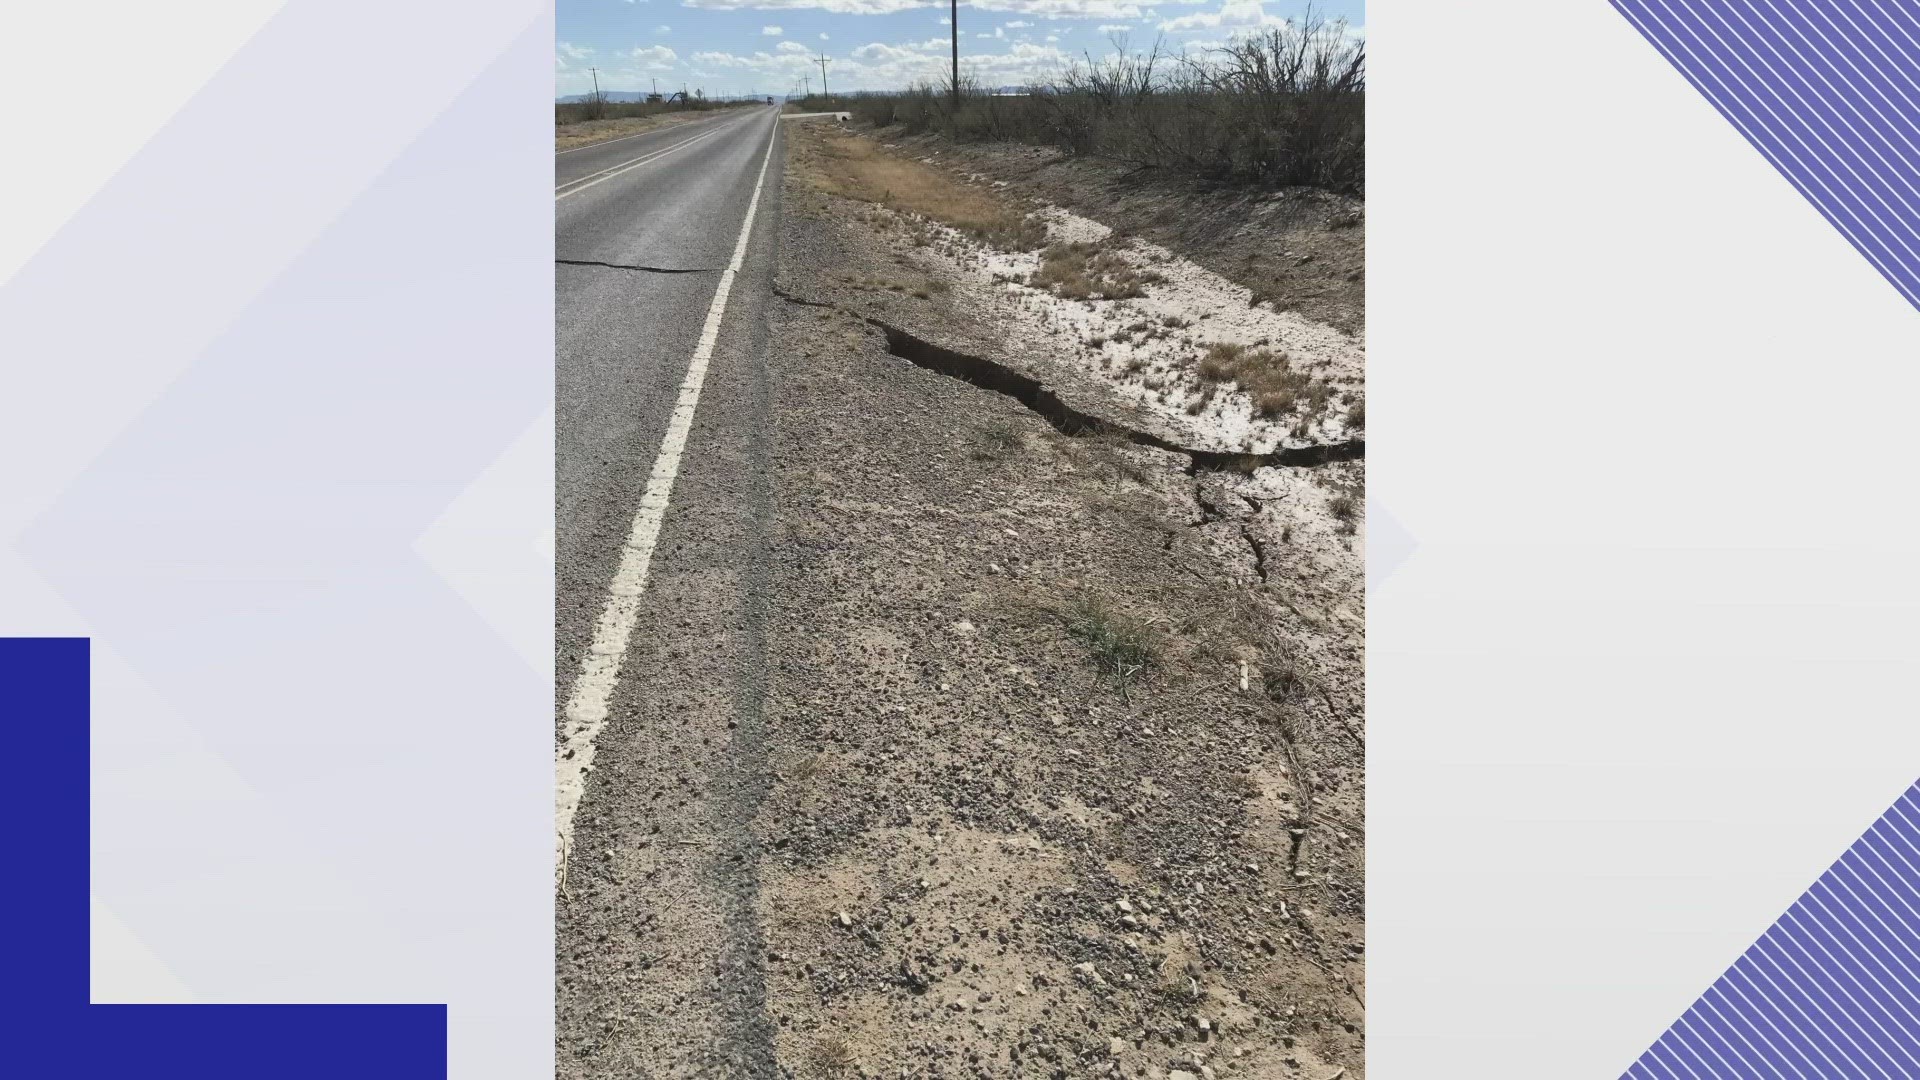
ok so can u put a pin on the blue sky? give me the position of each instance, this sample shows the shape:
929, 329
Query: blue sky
766, 46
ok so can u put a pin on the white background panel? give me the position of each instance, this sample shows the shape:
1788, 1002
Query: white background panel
275, 407
1649, 665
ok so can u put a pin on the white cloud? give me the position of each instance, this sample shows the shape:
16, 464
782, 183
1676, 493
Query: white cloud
656, 57
1115, 28
572, 51
772, 31
792, 47
788, 63
823, 37
1046, 9
1017, 24
884, 53
663, 28
1233, 15
838, 7
882, 66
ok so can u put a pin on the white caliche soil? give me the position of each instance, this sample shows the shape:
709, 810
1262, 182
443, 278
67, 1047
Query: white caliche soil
1155, 369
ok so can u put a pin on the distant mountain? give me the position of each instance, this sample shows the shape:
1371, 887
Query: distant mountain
610, 95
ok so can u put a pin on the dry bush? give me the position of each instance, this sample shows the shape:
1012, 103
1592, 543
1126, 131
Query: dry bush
580, 112
1285, 105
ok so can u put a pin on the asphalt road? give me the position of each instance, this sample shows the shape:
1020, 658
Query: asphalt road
655, 929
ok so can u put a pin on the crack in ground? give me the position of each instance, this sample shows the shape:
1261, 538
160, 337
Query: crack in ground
1209, 511
1259, 550
1037, 397
641, 269
1040, 399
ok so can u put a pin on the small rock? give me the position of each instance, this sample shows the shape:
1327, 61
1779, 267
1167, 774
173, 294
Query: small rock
1181, 1074
842, 919
1116, 1047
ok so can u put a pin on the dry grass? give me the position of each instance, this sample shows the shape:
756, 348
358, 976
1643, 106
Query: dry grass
997, 440
1268, 377
1105, 449
858, 168
1346, 508
622, 119
834, 1053
1122, 646
1088, 271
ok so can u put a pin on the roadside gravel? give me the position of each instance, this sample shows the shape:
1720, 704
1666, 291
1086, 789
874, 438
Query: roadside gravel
992, 842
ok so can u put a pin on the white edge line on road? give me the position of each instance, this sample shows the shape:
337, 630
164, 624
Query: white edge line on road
587, 706
611, 171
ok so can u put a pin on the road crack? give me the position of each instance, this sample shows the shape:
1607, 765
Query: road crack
641, 269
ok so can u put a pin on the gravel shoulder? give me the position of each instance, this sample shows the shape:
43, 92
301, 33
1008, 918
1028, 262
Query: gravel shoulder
1062, 723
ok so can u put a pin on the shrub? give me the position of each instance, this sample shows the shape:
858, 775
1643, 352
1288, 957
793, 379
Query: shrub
1285, 105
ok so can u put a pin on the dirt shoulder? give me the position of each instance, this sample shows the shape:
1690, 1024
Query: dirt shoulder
588, 132
1298, 248
1064, 679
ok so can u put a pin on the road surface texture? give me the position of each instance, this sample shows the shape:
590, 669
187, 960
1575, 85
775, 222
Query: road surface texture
951, 736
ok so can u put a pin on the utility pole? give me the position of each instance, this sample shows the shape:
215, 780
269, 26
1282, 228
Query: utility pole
822, 58
954, 24
596, 84
807, 80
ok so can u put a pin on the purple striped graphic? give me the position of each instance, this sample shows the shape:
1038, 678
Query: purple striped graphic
1829, 91
1830, 990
